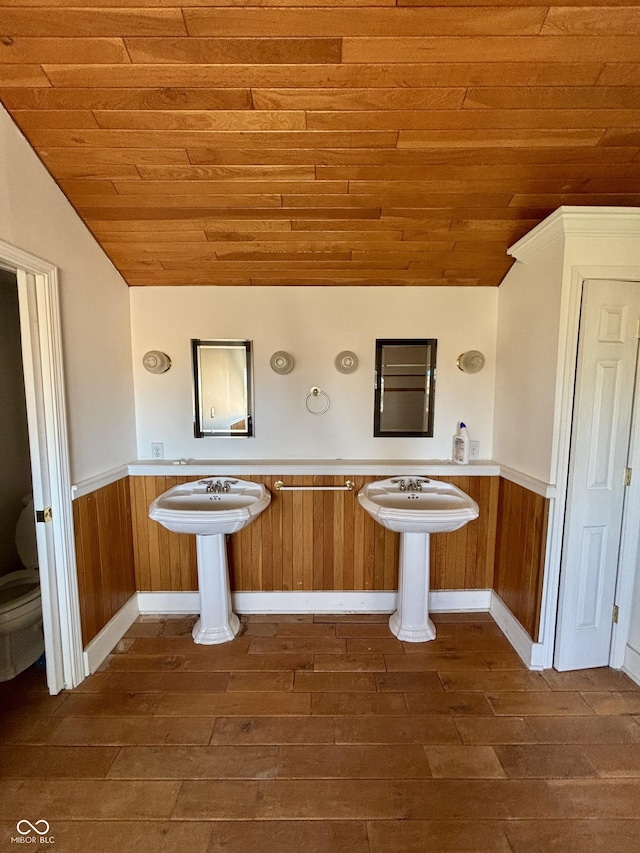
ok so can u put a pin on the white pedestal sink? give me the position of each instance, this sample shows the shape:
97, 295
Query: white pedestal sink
415, 507
211, 509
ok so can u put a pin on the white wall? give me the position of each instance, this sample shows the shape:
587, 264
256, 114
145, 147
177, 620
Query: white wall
529, 301
35, 217
314, 324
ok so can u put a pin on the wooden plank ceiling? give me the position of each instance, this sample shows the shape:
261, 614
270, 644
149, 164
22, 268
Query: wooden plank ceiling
325, 142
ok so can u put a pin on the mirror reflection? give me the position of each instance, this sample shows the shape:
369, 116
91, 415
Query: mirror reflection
222, 388
405, 387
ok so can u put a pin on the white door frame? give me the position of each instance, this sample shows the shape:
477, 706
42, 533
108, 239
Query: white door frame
48, 441
565, 387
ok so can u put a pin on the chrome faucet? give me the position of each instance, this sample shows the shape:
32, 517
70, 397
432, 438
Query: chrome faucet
216, 486
411, 485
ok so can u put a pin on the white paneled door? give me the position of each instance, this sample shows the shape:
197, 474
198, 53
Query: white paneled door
602, 424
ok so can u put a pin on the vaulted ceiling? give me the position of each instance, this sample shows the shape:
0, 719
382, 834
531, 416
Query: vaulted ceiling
325, 142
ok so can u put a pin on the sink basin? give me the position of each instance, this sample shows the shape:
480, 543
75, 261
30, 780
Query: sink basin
190, 508
417, 505
211, 509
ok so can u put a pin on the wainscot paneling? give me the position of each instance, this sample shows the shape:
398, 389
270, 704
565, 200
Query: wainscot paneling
520, 553
104, 555
309, 540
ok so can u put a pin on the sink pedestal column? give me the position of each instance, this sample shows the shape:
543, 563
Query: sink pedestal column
411, 620
217, 623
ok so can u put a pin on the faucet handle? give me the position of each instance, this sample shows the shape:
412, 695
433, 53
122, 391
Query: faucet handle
400, 482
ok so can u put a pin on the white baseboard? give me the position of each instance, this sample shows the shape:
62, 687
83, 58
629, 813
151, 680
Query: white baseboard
459, 600
631, 665
463, 600
104, 643
531, 653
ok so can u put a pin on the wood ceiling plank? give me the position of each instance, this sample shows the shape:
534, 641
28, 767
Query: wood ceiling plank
73, 187
474, 225
184, 278
490, 49
130, 226
355, 224
225, 251
139, 4
346, 277
450, 259
359, 99
85, 171
85, 139
326, 76
472, 119
621, 137
146, 237
185, 120
495, 172
325, 237
232, 188
397, 215
554, 98
260, 261
61, 157
425, 189
41, 51
506, 138
481, 3
402, 199
169, 213
228, 173
449, 21
394, 157
73, 23
21, 76
196, 203
220, 51
604, 21
54, 119
125, 99
628, 199
620, 74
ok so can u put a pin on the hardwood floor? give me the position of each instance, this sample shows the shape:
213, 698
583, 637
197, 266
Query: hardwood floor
324, 734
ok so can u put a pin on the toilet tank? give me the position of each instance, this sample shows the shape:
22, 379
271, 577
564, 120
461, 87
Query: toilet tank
26, 543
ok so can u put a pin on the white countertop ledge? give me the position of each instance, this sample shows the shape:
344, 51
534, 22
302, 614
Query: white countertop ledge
347, 468
328, 467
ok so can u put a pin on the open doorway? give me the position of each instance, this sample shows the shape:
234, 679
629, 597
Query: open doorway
21, 635
41, 347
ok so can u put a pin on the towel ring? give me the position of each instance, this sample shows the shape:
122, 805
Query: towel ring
313, 394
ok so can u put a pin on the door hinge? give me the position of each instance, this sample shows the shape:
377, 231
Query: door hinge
615, 613
627, 476
44, 516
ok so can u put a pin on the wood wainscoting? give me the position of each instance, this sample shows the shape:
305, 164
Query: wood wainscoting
310, 540
520, 553
104, 555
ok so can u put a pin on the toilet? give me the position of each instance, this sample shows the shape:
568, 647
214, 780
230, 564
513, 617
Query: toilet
21, 637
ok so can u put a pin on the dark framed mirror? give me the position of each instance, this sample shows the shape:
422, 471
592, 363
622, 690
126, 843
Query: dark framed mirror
222, 388
405, 387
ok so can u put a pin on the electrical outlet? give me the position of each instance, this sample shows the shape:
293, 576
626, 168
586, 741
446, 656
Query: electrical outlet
474, 450
157, 450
